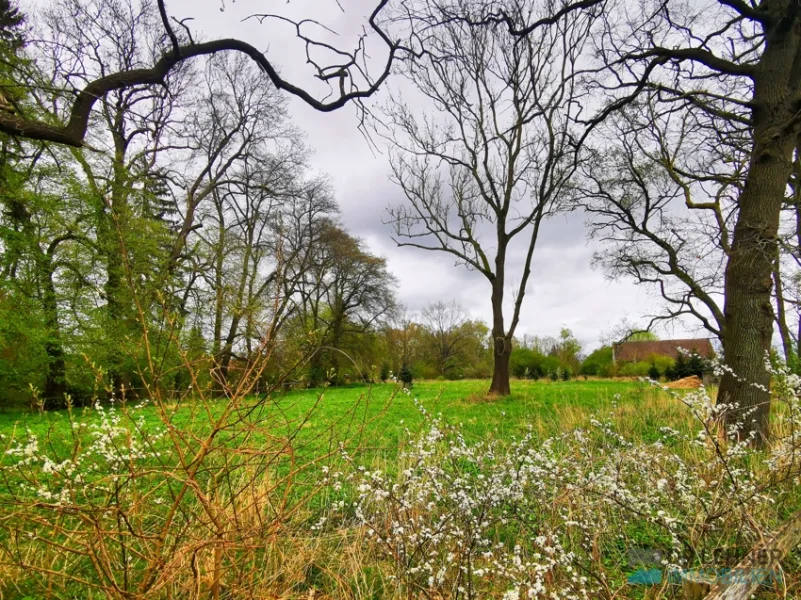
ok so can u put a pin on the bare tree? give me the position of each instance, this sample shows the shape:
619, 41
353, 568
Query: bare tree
403, 337
740, 62
661, 194
256, 261
345, 71
497, 154
234, 114
444, 324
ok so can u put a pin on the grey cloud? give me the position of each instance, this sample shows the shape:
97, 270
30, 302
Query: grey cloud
564, 290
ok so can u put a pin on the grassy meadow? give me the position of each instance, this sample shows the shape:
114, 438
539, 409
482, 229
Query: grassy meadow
377, 418
303, 494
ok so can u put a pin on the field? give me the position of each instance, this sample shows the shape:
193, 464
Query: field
373, 492
383, 414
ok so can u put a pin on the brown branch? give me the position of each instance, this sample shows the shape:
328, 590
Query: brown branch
73, 133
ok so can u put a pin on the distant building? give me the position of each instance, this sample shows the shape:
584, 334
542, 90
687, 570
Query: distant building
637, 351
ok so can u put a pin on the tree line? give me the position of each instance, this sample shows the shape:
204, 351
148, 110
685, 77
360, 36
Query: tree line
673, 127
189, 227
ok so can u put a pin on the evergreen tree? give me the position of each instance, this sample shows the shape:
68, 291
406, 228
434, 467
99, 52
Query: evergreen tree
695, 364
405, 376
680, 369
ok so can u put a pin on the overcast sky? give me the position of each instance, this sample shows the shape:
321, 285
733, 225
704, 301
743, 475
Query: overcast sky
564, 290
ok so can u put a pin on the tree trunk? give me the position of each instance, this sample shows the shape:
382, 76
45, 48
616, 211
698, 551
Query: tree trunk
335, 341
500, 371
55, 379
115, 308
502, 344
748, 280
55, 386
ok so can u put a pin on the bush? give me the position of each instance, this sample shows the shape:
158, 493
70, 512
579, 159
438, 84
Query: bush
566, 374
634, 369
643, 368
696, 364
405, 376
384, 373
554, 375
653, 372
526, 363
687, 365
477, 520
598, 363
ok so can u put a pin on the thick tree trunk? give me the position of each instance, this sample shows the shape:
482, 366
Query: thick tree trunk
748, 282
55, 385
500, 371
116, 312
502, 344
335, 341
224, 357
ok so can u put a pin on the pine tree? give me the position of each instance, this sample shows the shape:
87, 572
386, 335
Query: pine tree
11, 22
405, 376
695, 365
680, 369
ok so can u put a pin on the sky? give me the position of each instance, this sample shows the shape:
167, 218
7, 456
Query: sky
564, 289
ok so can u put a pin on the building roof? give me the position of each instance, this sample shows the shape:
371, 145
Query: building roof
637, 351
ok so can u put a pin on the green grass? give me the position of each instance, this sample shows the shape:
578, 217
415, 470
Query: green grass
376, 422
380, 414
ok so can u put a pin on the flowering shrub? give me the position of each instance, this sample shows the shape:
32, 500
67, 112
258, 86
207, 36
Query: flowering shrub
555, 518
158, 501
142, 503
94, 470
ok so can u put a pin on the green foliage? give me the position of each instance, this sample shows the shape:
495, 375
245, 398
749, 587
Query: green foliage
642, 368
568, 350
384, 373
686, 365
599, 363
405, 376
653, 372
525, 363
642, 336
695, 364
566, 374
11, 22
23, 360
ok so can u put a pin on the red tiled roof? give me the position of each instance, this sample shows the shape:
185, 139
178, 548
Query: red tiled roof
636, 351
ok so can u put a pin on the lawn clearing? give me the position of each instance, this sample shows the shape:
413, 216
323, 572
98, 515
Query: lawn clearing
376, 492
379, 415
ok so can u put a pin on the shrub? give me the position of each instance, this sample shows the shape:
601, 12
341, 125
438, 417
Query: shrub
599, 362
653, 372
554, 375
566, 374
478, 520
456, 516
405, 376
643, 368
526, 363
696, 365
686, 365
384, 373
